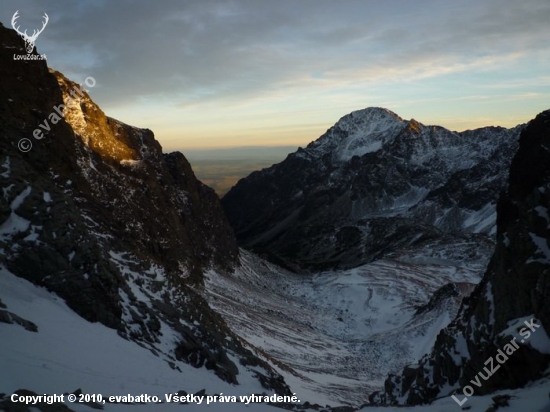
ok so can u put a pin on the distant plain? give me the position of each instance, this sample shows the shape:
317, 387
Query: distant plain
222, 168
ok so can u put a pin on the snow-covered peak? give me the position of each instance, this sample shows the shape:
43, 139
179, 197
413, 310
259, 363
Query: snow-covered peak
360, 132
368, 119
363, 179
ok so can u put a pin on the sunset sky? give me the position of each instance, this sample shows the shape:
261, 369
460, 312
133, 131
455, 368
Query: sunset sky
214, 73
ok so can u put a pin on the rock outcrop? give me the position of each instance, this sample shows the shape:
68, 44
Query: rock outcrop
510, 305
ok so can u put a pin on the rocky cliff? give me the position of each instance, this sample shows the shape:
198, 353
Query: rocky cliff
96, 213
373, 183
499, 338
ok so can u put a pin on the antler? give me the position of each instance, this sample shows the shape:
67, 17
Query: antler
14, 21
35, 33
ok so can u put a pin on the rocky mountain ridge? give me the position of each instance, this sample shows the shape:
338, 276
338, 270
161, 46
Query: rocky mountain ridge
372, 183
98, 215
510, 306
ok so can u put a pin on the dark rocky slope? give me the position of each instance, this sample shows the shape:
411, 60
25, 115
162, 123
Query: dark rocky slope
96, 213
515, 289
373, 183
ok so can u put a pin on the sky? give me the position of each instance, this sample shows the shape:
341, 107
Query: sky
216, 73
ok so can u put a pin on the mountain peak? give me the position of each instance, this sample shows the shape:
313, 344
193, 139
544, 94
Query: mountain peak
369, 115
376, 110
358, 133
371, 173
414, 126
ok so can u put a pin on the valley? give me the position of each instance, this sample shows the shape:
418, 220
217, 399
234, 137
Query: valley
336, 333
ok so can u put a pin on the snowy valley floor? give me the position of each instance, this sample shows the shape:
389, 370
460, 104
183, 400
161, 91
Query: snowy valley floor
340, 333
297, 324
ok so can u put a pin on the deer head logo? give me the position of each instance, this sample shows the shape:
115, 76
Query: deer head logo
29, 40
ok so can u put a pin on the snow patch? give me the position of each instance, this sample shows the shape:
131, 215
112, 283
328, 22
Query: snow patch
542, 246
18, 201
7, 169
14, 223
62, 356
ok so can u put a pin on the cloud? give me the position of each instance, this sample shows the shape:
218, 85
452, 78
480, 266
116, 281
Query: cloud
184, 54
200, 49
